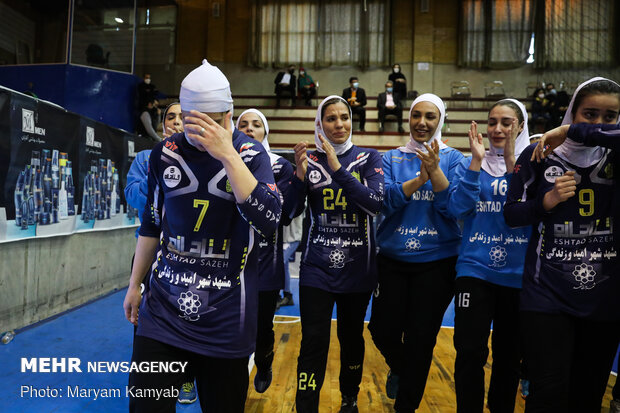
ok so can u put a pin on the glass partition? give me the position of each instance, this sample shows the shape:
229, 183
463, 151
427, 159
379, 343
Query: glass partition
103, 34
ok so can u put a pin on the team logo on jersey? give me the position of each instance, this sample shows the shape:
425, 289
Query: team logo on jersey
188, 304
360, 155
498, 256
336, 257
379, 171
273, 187
245, 146
314, 176
172, 176
412, 244
171, 145
552, 173
584, 274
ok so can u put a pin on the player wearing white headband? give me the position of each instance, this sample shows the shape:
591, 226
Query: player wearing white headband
211, 196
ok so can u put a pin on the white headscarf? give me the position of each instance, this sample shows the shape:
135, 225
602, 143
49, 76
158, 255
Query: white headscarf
412, 145
265, 142
573, 152
318, 128
493, 162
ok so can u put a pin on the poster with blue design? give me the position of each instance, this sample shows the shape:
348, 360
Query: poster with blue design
64, 173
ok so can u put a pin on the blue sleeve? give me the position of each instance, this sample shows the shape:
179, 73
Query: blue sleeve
454, 161
369, 194
137, 187
283, 173
524, 205
394, 198
605, 135
464, 191
263, 208
151, 217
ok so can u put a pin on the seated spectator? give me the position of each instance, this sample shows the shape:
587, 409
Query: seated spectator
399, 80
306, 86
356, 96
540, 110
285, 82
389, 103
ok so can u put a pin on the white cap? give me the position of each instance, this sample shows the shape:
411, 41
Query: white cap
206, 89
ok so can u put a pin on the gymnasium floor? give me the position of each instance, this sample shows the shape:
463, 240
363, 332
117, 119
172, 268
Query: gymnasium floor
98, 331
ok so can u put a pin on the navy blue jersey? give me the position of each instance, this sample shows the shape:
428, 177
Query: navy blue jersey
607, 136
271, 256
571, 264
204, 285
340, 255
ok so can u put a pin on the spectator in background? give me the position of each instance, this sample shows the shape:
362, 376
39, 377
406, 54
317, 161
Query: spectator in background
306, 86
551, 94
285, 82
540, 110
95, 55
147, 92
147, 123
389, 103
356, 97
399, 80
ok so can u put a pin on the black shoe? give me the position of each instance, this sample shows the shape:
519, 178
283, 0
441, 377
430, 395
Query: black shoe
362, 130
401, 130
262, 380
391, 385
349, 404
381, 129
286, 300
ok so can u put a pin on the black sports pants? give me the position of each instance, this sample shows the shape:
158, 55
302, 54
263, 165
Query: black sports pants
477, 304
316, 306
222, 384
568, 361
407, 311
